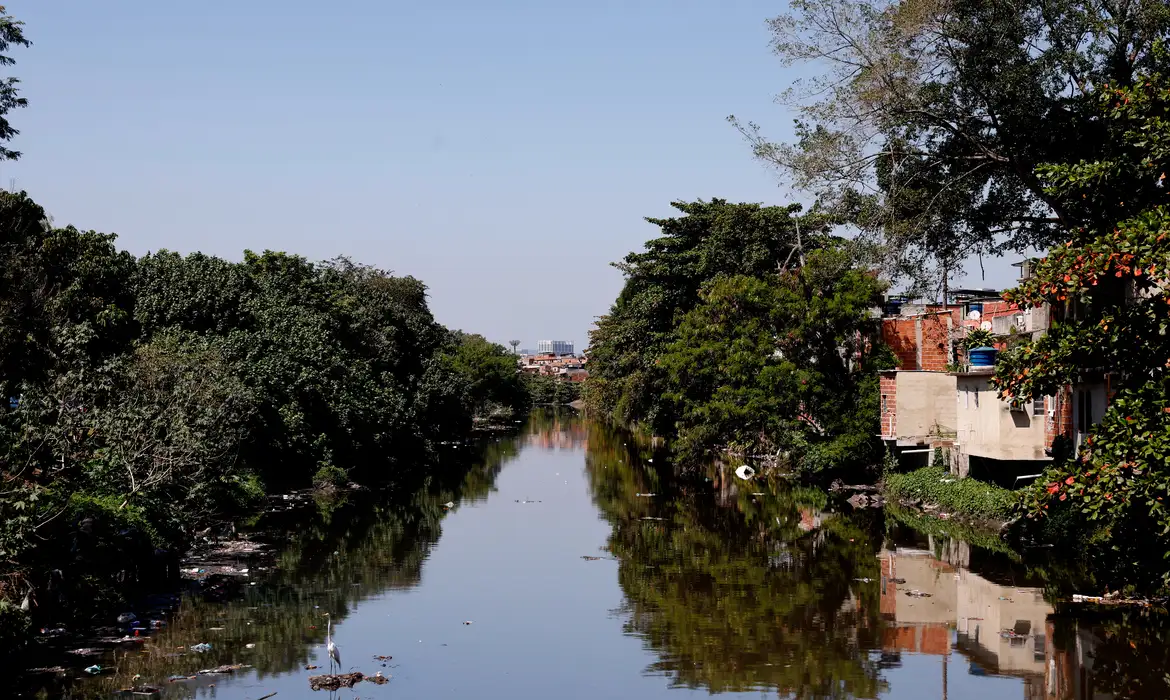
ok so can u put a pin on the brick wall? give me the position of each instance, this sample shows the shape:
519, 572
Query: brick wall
932, 330
1061, 422
901, 336
888, 606
889, 387
936, 333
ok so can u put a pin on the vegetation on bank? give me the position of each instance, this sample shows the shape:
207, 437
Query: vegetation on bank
544, 390
745, 328
970, 497
1112, 275
152, 396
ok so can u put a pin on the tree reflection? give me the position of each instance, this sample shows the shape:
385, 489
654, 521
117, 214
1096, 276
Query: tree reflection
735, 591
332, 555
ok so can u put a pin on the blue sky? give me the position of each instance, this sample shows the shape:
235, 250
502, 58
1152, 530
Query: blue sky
503, 152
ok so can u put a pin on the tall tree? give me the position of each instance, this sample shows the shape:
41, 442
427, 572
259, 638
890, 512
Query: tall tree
1109, 286
925, 120
782, 364
11, 34
663, 283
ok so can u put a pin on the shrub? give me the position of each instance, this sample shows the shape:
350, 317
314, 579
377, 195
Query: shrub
330, 476
965, 496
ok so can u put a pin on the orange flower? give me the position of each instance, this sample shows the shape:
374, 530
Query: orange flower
1070, 480
1053, 487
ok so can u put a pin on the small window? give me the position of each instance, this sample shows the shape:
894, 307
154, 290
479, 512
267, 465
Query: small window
1038, 406
885, 408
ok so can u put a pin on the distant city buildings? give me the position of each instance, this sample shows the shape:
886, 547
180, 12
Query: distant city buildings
554, 347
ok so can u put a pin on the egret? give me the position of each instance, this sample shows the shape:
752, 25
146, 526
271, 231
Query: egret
330, 647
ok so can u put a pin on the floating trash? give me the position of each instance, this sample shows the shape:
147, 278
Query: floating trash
201, 647
335, 681
745, 472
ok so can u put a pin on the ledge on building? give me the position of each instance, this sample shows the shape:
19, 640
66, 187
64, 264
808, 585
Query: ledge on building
975, 372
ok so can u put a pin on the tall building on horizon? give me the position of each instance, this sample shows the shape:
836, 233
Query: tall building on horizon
558, 347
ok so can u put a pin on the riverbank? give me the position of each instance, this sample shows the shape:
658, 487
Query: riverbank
147, 399
934, 489
421, 588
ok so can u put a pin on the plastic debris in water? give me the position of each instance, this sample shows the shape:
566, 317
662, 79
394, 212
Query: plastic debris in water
201, 647
745, 472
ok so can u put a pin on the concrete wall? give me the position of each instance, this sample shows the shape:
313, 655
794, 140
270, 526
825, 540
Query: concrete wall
925, 404
987, 427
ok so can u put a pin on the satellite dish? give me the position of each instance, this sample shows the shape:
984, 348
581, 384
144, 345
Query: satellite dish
986, 325
973, 315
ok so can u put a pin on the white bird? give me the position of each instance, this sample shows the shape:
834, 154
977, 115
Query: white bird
330, 647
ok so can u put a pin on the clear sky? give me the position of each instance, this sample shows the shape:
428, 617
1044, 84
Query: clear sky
503, 152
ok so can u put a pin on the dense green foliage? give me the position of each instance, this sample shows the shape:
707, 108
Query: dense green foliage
925, 121
626, 382
954, 495
156, 395
733, 333
544, 390
1109, 283
11, 34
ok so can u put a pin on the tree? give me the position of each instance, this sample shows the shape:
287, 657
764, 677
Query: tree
928, 119
490, 374
11, 34
663, 283
782, 364
515, 344
1109, 287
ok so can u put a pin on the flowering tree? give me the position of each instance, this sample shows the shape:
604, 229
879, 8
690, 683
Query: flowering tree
1110, 285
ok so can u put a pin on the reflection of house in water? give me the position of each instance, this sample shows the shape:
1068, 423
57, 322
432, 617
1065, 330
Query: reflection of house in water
568, 434
1069, 670
999, 629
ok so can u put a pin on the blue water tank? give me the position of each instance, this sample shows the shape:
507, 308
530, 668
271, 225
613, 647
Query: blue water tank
982, 357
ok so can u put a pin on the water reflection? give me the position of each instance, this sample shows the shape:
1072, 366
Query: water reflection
719, 586
333, 554
736, 592
741, 586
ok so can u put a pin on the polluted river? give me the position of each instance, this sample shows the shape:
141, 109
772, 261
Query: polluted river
566, 561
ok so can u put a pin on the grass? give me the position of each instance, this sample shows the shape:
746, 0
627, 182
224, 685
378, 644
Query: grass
969, 497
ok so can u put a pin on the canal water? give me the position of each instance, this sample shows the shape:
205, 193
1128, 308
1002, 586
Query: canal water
569, 563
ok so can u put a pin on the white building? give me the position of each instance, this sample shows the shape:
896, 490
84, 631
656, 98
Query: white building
557, 347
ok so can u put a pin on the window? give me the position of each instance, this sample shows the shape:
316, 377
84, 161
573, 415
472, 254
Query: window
1038, 406
885, 408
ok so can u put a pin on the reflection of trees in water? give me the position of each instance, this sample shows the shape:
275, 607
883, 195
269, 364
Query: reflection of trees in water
333, 555
561, 429
1108, 654
739, 597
